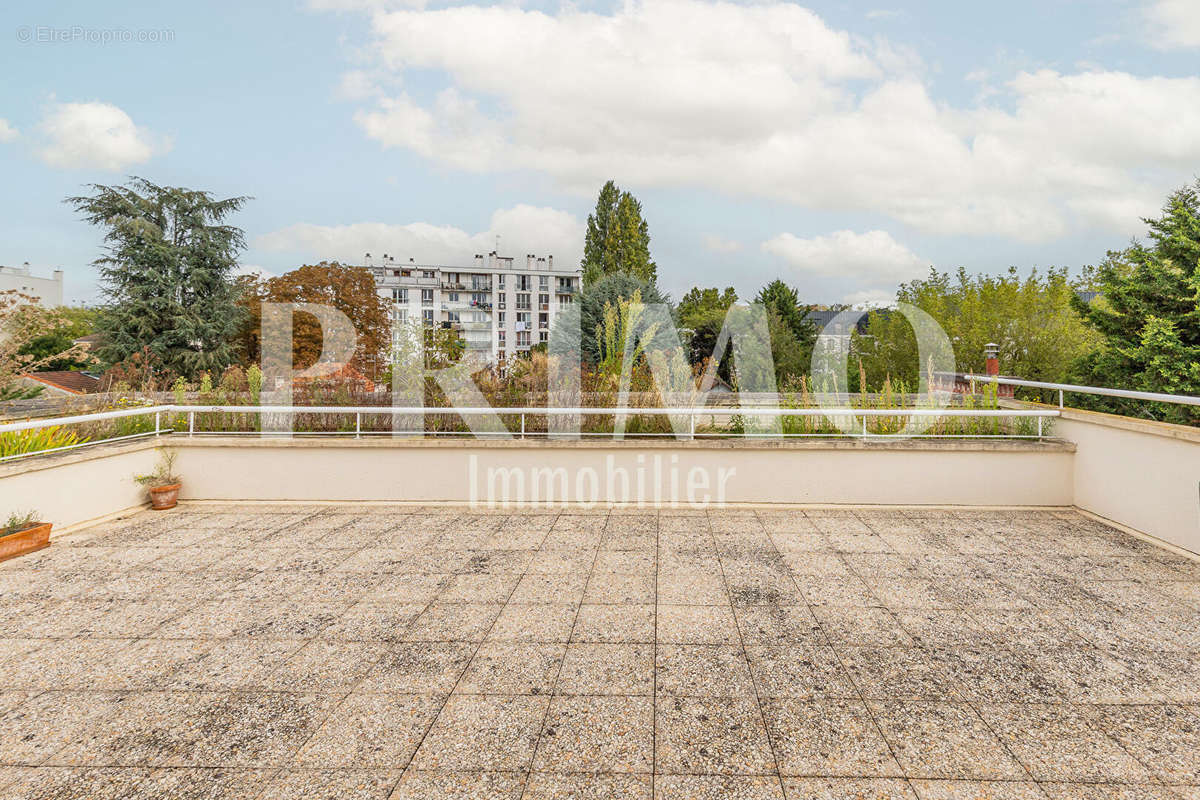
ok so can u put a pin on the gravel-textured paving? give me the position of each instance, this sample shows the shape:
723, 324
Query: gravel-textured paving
421, 652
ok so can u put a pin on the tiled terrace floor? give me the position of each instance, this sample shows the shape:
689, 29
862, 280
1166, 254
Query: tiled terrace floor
288, 652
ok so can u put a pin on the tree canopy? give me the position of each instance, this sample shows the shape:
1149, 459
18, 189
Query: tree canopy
617, 239
350, 290
1148, 313
1031, 319
167, 275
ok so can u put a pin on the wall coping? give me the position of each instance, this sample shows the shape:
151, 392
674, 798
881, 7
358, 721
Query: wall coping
1169, 430
52, 460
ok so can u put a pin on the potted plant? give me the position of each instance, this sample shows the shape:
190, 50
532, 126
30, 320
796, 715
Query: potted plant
22, 534
163, 484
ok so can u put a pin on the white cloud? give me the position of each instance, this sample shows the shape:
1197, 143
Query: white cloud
717, 244
522, 229
7, 131
253, 270
873, 256
871, 298
1174, 23
94, 136
766, 100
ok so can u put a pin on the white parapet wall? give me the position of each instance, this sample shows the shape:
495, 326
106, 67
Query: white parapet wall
631, 472
80, 485
1144, 475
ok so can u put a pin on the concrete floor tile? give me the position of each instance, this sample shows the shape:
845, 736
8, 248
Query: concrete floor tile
831, 737
716, 787
418, 668
460, 785
597, 735
331, 784
485, 733
512, 668
615, 624
850, 789
1061, 742
703, 671
696, 625
550, 786
607, 669
697, 735
370, 731
943, 740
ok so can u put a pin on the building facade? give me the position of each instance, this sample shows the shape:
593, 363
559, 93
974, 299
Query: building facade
48, 291
502, 307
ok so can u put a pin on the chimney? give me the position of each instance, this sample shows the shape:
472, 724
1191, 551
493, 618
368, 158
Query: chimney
479, 262
529, 261
541, 264
367, 258
991, 350
550, 262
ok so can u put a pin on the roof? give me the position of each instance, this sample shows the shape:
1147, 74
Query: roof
67, 381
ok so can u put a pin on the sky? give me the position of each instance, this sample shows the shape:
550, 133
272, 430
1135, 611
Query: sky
843, 147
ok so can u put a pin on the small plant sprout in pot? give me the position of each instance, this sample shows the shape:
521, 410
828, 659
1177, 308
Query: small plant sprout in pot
22, 533
163, 484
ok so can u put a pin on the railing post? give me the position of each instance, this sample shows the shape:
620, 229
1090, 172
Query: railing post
692, 425
358, 425
191, 422
1039, 427
864, 433
522, 424
156, 425
1060, 398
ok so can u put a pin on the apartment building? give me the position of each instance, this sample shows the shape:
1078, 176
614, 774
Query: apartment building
501, 306
48, 291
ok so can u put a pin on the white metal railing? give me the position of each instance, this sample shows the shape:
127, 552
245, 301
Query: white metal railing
691, 413
1062, 388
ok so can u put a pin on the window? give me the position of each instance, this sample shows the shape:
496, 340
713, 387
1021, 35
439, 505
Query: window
522, 319
500, 316
479, 299
427, 316
543, 301
543, 281
427, 297
522, 338
523, 301
400, 316
452, 316
522, 283
501, 337
565, 300
543, 320
400, 296
452, 297
428, 273
500, 281
543, 336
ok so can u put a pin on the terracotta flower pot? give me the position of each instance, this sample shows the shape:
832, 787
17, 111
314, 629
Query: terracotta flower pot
35, 537
164, 497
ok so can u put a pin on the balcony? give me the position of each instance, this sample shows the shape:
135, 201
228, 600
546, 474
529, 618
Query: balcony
304, 624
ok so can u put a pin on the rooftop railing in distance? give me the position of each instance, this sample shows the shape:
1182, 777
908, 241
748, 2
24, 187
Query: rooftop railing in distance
182, 419
1062, 388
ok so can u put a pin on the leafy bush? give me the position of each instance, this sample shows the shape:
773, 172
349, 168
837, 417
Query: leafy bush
17, 443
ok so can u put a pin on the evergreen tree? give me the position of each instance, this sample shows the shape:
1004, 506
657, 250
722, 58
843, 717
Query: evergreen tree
784, 301
1148, 314
617, 239
167, 275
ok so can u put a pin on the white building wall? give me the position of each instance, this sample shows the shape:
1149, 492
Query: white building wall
49, 291
487, 297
